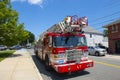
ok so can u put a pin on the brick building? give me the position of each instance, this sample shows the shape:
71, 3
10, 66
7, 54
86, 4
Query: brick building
114, 36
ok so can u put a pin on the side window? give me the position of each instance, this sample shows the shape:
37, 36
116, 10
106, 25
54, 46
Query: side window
50, 41
92, 47
89, 47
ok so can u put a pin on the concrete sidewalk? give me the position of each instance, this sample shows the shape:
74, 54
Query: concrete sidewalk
113, 56
19, 66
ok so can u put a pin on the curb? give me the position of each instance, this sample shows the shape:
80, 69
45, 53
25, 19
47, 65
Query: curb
36, 70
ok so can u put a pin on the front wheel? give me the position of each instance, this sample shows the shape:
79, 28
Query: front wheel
97, 54
36, 53
47, 63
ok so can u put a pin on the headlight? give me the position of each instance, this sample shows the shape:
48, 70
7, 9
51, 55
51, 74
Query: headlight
85, 55
59, 58
60, 55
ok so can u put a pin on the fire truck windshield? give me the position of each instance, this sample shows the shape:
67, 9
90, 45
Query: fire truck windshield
69, 41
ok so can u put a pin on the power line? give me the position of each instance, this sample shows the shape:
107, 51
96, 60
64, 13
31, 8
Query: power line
106, 16
100, 27
111, 17
112, 3
114, 6
103, 22
110, 20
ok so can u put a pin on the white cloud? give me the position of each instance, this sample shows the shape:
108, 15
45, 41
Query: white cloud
18, 0
32, 2
35, 1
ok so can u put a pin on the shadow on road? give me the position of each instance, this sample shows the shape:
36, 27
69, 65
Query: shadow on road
52, 75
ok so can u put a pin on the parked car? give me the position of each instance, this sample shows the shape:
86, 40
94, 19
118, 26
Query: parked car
97, 51
15, 47
2, 47
29, 46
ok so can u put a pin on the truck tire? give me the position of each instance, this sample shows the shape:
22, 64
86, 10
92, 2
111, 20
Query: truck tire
47, 63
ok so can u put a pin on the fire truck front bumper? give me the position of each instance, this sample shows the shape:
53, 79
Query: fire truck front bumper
73, 67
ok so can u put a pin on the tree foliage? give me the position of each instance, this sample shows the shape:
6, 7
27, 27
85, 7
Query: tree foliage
30, 39
105, 32
11, 32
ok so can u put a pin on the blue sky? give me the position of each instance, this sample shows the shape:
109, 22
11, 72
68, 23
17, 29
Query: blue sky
39, 15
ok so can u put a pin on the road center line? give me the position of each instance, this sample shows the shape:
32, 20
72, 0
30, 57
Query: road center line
107, 64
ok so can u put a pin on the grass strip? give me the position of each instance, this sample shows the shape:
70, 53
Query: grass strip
6, 53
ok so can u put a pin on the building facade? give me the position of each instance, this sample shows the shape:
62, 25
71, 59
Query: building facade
94, 37
114, 36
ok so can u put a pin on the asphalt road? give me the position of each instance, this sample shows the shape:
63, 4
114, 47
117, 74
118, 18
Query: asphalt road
104, 69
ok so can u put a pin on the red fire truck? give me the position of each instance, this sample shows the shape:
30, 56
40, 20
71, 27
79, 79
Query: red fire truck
63, 47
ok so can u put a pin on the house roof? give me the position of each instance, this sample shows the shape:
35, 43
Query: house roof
89, 29
112, 23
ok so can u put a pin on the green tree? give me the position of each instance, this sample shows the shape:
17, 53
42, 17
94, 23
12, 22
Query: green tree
31, 38
11, 32
105, 32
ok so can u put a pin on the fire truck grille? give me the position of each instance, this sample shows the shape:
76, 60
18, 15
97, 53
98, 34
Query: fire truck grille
74, 55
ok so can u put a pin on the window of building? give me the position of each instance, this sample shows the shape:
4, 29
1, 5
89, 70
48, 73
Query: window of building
114, 28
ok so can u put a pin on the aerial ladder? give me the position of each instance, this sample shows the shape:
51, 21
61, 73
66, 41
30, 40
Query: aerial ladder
70, 24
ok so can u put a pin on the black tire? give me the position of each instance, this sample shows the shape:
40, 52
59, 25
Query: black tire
104, 54
97, 53
47, 64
